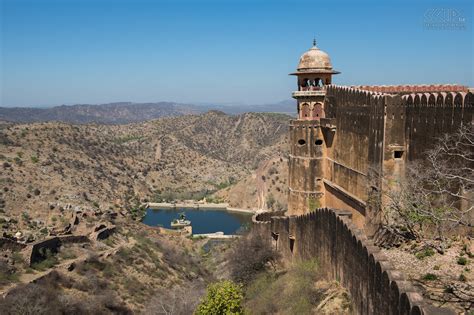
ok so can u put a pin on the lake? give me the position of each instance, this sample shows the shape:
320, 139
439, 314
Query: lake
202, 220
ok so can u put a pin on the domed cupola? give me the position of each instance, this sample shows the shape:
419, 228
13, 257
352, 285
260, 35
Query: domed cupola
314, 73
315, 61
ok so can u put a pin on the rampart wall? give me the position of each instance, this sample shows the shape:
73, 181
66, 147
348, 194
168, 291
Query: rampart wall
430, 115
376, 134
345, 254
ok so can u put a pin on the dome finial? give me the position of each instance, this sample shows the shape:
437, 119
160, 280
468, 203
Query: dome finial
314, 42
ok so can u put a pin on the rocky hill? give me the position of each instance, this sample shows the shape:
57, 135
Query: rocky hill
49, 168
127, 112
113, 113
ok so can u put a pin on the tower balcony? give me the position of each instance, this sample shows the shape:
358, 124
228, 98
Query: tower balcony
309, 91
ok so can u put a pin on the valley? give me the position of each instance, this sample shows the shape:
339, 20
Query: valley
51, 169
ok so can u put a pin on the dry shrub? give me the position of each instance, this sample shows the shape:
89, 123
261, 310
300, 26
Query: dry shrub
179, 300
292, 292
48, 297
249, 256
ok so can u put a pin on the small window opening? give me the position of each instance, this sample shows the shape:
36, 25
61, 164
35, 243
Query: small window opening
318, 142
398, 154
292, 244
301, 142
275, 236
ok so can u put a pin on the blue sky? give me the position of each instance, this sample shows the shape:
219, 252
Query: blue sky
69, 52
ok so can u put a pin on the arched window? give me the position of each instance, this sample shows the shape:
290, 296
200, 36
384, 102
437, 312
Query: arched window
318, 111
304, 110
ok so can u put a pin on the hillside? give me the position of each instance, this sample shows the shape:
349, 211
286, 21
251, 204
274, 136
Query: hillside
127, 112
49, 168
113, 113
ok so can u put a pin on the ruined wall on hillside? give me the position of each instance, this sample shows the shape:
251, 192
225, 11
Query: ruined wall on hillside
345, 254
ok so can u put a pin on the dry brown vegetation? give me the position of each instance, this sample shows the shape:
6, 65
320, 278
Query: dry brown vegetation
273, 285
48, 169
122, 274
428, 217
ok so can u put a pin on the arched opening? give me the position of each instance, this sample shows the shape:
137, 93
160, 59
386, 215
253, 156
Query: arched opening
292, 243
317, 82
398, 155
318, 111
275, 239
318, 142
301, 142
304, 110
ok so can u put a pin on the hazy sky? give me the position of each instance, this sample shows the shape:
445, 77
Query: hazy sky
68, 52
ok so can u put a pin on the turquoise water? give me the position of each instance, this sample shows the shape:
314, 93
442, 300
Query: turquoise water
202, 220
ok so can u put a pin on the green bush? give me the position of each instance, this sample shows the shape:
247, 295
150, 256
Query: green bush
425, 253
18, 161
49, 261
223, 297
270, 201
462, 261
430, 277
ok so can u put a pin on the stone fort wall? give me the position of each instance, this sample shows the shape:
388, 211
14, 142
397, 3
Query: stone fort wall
345, 254
377, 133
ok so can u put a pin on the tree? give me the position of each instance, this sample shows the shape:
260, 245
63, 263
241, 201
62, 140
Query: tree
179, 300
249, 256
436, 195
223, 297
270, 201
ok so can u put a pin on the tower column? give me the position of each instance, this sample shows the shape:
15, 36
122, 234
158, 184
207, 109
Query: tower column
307, 158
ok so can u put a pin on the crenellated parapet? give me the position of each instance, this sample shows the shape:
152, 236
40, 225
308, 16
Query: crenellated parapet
439, 99
345, 254
430, 115
376, 131
350, 140
411, 88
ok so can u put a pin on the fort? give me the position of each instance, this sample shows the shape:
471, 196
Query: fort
345, 140
345, 135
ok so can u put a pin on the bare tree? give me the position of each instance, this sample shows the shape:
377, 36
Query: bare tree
179, 300
436, 195
249, 256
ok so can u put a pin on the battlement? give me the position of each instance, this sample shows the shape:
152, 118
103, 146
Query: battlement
420, 95
408, 89
346, 254
440, 99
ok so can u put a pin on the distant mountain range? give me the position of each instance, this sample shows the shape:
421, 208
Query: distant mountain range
127, 112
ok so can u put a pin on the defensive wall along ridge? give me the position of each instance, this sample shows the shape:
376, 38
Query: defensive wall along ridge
344, 254
339, 160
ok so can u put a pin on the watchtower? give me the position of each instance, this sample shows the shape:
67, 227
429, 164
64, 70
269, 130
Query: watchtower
307, 147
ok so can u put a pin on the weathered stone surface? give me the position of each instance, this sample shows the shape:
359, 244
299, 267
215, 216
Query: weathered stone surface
345, 136
344, 254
